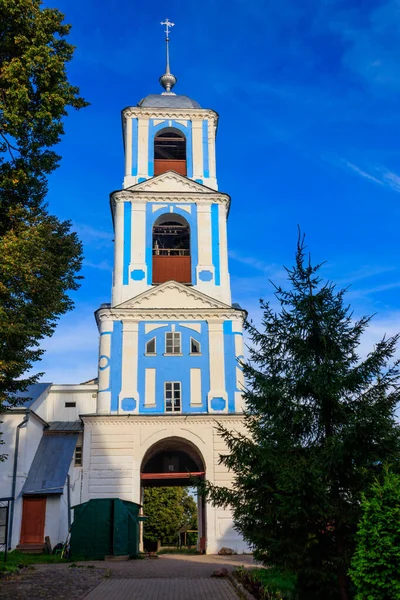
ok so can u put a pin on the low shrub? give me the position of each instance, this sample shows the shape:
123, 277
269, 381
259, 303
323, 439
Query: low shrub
375, 565
267, 583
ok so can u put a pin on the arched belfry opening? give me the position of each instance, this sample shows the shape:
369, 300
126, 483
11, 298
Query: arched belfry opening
170, 151
171, 249
174, 462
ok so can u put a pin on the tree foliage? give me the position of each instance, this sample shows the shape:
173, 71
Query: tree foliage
375, 565
168, 510
39, 255
320, 421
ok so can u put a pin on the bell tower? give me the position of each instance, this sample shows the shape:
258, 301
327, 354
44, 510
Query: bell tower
170, 341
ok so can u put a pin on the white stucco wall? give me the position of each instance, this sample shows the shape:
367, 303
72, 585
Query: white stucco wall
30, 436
114, 448
85, 397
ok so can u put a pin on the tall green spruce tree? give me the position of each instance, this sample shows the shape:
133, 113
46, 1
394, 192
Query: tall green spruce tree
320, 421
39, 254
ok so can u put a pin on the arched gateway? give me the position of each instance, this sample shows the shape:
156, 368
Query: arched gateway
174, 461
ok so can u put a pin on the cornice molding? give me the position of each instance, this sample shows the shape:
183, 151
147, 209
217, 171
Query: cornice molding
170, 197
170, 113
157, 314
91, 421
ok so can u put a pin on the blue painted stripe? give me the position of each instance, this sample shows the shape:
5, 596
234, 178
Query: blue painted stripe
206, 168
215, 242
231, 363
116, 364
106, 333
134, 146
127, 241
189, 150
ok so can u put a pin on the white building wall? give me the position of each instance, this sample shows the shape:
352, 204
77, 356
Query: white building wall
29, 439
85, 397
115, 448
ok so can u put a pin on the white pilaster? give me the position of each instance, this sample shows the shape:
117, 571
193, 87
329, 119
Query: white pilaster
195, 387
130, 334
217, 364
150, 387
211, 154
138, 249
104, 393
237, 328
197, 145
118, 252
204, 248
223, 255
128, 146
143, 145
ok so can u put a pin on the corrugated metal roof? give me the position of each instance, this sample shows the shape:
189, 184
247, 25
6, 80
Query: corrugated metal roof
31, 394
168, 101
66, 426
50, 466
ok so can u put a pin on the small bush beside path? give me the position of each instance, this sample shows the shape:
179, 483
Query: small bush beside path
267, 583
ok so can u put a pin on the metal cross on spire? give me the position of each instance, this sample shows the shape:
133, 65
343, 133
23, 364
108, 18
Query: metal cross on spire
168, 26
167, 80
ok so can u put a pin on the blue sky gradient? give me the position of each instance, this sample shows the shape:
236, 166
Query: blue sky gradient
308, 98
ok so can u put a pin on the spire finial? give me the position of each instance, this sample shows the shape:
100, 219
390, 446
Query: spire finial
167, 80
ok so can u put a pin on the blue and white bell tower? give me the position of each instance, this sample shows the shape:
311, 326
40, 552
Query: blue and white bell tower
171, 340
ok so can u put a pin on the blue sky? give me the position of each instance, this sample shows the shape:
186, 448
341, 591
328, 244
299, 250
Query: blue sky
308, 98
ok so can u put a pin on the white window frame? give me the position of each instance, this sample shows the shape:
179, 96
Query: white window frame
176, 335
192, 339
155, 347
78, 460
173, 399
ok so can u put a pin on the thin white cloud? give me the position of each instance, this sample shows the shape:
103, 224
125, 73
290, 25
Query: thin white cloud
373, 290
71, 353
254, 262
377, 174
92, 236
391, 179
364, 272
363, 173
103, 265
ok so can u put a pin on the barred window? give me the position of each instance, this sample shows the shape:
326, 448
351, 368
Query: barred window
78, 456
172, 396
172, 342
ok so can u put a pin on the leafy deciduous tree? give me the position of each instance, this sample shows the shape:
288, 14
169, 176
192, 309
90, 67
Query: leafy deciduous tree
320, 421
39, 255
168, 509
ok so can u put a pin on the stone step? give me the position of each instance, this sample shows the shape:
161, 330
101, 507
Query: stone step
31, 548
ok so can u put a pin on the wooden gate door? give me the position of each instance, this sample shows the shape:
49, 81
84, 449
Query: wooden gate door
33, 518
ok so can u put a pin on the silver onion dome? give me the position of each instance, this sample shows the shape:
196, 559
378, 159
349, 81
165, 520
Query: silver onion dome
168, 81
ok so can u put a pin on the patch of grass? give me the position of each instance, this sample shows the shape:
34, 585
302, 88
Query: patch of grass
268, 583
6, 569
19, 558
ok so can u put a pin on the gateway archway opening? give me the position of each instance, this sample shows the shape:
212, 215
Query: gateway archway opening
174, 462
